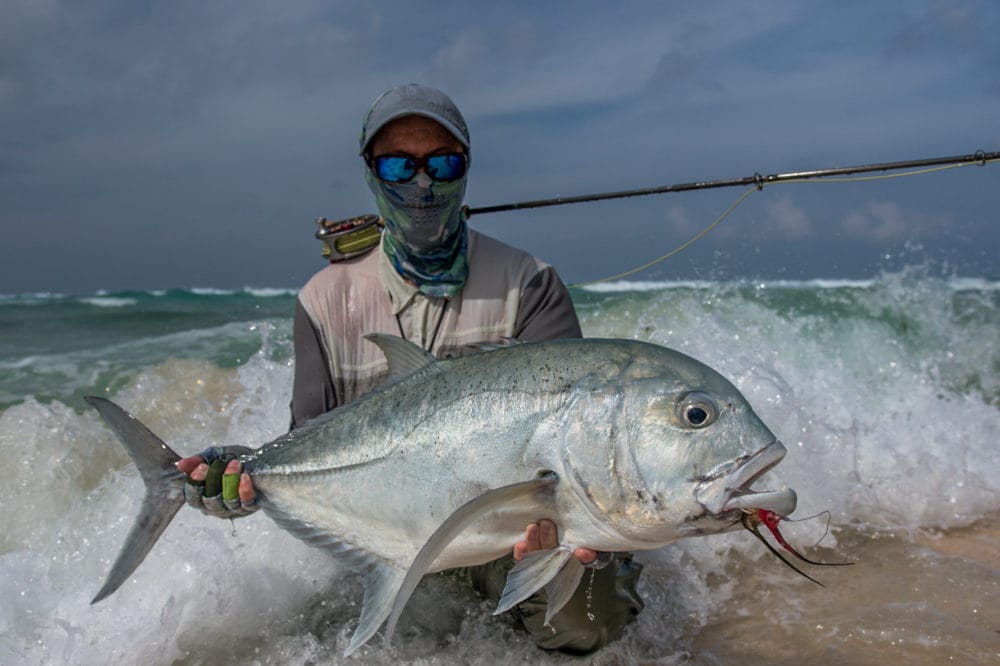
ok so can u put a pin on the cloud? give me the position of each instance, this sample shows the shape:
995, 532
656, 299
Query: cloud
784, 218
682, 72
512, 69
496, 65
887, 221
680, 221
937, 25
781, 218
172, 112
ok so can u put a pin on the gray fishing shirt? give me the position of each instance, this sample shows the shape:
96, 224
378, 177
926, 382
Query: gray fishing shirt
508, 294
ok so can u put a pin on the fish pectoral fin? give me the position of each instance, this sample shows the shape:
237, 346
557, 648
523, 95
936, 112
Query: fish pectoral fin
561, 588
462, 517
553, 569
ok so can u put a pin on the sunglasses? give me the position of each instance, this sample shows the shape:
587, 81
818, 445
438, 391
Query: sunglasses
399, 168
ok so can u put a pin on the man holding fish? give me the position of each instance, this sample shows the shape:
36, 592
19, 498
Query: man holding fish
435, 282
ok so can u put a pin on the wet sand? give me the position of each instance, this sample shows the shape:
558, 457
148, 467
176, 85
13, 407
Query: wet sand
932, 597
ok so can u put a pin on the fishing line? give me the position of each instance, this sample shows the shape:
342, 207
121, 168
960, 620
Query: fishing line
826, 532
683, 246
757, 182
743, 197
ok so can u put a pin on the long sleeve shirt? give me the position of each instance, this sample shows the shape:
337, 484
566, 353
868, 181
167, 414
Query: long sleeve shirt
508, 295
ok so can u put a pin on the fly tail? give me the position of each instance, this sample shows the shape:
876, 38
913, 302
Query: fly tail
164, 490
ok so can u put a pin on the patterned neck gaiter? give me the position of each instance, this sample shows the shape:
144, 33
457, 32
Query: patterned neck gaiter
425, 237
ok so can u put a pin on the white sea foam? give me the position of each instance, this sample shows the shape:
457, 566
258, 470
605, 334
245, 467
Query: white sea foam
31, 298
817, 284
616, 286
638, 286
269, 292
211, 291
109, 301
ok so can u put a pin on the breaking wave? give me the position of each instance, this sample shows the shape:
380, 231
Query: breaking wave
886, 393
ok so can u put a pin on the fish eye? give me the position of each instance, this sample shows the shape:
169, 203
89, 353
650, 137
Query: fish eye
697, 410
695, 415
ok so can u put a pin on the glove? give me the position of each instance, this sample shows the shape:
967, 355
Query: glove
218, 493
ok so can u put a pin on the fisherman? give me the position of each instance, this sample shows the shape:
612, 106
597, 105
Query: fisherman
437, 283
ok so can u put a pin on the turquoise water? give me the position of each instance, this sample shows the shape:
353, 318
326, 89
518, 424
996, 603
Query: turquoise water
59, 347
886, 393
56, 347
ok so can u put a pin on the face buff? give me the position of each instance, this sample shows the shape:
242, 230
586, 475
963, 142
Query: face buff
425, 237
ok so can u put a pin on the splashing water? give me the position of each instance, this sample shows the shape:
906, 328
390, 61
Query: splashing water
886, 393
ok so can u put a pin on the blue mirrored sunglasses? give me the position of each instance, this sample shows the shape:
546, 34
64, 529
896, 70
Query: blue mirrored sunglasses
399, 168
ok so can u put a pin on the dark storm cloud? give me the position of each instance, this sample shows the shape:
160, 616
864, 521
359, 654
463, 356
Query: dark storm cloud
191, 143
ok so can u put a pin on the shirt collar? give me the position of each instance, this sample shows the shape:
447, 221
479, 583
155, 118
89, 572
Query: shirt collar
401, 291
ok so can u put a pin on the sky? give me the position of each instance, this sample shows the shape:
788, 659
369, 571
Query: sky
155, 145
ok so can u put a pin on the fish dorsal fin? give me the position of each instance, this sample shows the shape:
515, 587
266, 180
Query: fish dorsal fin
404, 357
380, 580
461, 518
534, 571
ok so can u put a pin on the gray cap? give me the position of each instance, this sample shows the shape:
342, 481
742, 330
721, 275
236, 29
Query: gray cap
414, 100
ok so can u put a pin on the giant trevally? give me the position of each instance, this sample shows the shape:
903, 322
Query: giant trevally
625, 445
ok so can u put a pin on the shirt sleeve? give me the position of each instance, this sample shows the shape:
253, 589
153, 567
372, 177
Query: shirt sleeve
312, 390
546, 310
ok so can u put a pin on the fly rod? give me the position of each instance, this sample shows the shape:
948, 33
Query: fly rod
353, 236
979, 157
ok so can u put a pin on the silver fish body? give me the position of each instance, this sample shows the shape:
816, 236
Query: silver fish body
626, 445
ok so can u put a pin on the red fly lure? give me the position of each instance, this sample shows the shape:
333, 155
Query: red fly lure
752, 520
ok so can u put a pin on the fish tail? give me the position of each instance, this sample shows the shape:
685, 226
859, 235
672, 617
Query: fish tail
164, 490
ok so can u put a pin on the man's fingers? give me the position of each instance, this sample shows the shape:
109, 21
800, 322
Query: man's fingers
247, 493
213, 480
219, 488
231, 481
548, 535
529, 543
532, 537
187, 465
544, 535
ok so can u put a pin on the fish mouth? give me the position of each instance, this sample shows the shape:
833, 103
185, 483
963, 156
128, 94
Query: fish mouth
728, 489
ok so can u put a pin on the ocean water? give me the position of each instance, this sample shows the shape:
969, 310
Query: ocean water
886, 393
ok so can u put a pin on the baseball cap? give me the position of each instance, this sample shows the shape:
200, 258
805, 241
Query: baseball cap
413, 99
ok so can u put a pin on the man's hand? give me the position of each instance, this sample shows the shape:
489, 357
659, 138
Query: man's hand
543, 535
218, 488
